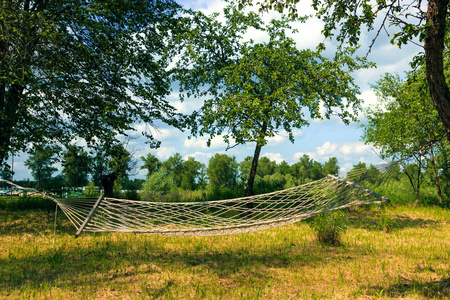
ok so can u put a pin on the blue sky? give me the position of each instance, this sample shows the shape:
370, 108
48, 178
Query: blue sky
321, 140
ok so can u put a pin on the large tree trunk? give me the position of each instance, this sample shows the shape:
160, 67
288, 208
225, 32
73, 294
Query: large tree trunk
434, 47
9, 103
252, 175
251, 178
108, 184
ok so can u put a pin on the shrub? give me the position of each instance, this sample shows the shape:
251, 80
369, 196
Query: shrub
384, 221
91, 191
25, 203
329, 227
157, 186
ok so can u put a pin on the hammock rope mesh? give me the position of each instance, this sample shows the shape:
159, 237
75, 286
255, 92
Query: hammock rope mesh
219, 217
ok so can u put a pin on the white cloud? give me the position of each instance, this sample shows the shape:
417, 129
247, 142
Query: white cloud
277, 139
202, 157
258, 36
327, 149
163, 153
344, 168
296, 157
274, 156
20, 170
201, 143
297, 132
282, 137
369, 98
187, 106
309, 33
354, 148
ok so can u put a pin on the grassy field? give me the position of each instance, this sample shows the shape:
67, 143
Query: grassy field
411, 261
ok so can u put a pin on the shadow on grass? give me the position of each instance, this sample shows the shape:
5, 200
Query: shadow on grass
120, 258
369, 220
100, 258
32, 222
405, 288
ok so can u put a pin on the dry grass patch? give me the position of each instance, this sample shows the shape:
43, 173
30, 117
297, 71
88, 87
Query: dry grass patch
412, 261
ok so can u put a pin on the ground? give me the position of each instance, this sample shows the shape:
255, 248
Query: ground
411, 260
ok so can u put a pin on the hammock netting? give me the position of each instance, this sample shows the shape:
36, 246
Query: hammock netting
218, 217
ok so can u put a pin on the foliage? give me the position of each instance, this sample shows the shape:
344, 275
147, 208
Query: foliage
222, 172
185, 174
262, 88
269, 183
40, 162
151, 163
192, 171
174, 167
404, 120
360, 174
76, 166
111, 162
384, 221
407, 105
88, 69
329, 227
330, 167
134, 184
157, 185
413, 24
26, 203
307, 169
91, 191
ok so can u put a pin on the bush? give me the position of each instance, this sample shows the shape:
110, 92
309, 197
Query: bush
329, 227
25, 203
157, 186
384, 221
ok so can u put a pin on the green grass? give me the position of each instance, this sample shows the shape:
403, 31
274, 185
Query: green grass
411, 261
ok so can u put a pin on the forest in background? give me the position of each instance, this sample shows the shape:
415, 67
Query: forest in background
178, 179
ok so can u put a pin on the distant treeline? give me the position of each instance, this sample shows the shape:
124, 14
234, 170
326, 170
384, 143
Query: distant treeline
178, 179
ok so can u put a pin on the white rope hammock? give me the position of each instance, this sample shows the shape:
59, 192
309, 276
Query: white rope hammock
220, 217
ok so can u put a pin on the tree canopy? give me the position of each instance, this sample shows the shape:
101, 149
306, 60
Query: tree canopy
413, 22
88, 69
76, 166
40, 162
404, 121
263, 88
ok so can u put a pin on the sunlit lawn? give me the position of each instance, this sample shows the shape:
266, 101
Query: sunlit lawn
412, 261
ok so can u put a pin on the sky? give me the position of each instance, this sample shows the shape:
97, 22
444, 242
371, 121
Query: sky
321, 140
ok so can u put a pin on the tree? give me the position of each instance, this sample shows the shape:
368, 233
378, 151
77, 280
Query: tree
88, 69
414, 172
76, 166
175, 168
266, 166
358, 173
40, 162
157, 185
330, 167
191, 173
428, 26
222, 171
151, 163
112, 162
362, 175
283, 168
307, 169
405, 120
267, 87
